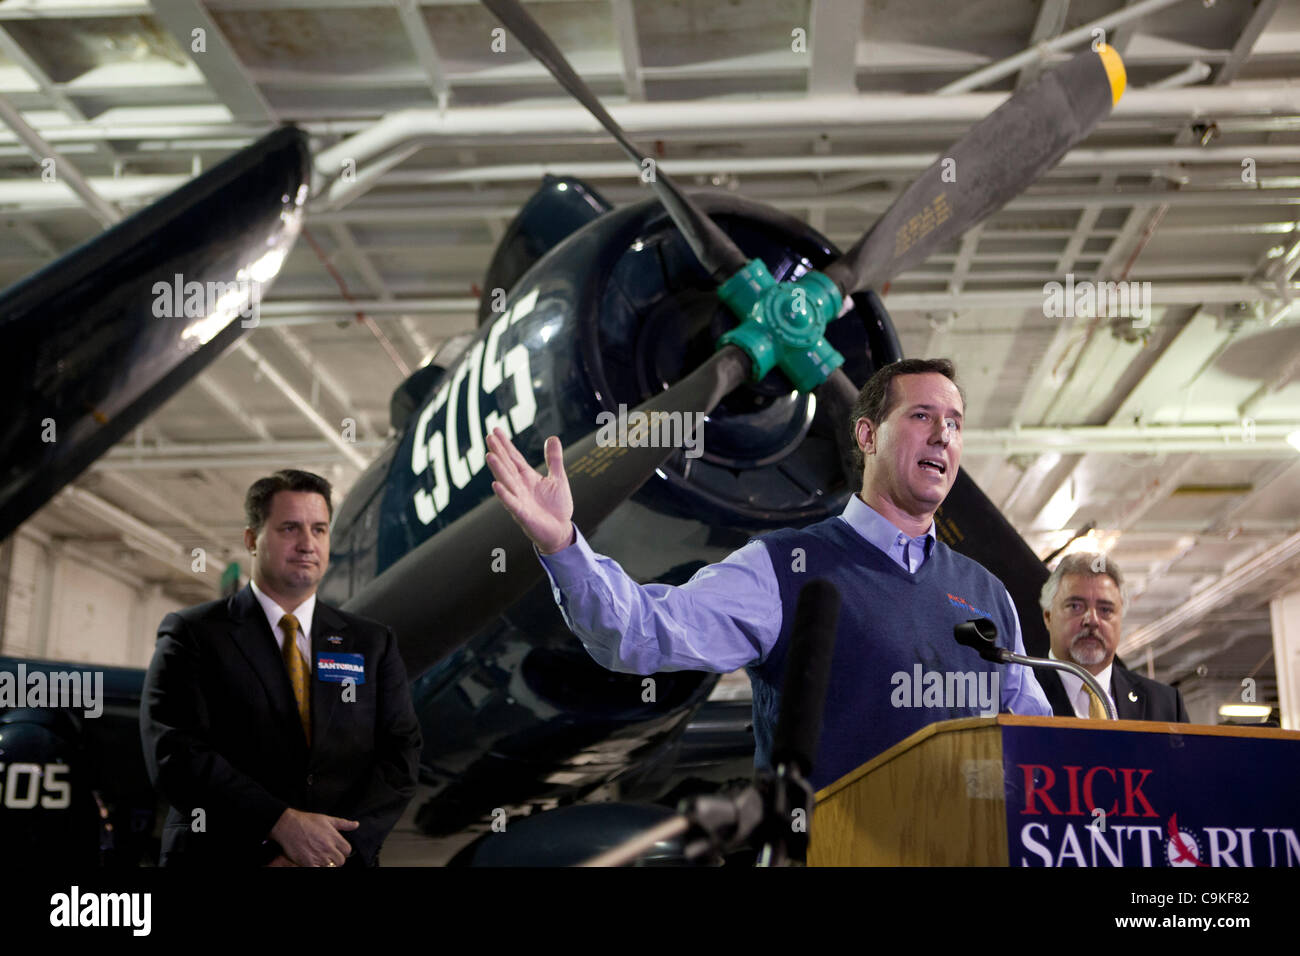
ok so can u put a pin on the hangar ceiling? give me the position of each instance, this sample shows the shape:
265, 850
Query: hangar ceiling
1166, 431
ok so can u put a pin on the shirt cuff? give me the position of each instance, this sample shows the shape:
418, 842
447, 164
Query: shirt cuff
570, 565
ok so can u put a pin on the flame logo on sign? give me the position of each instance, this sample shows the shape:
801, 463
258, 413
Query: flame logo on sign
1180, 852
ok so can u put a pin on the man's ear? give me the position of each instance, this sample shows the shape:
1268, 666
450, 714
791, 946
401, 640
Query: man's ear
865, 435
250, 540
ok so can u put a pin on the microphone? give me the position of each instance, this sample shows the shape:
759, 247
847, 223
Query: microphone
981, 634
807, 673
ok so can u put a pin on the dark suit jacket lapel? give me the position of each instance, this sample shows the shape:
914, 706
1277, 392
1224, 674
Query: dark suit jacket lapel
1121, 686
1050, 681
253, 636
327, 623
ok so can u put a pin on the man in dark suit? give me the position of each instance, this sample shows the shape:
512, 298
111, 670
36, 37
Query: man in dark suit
1083, 606
279, 729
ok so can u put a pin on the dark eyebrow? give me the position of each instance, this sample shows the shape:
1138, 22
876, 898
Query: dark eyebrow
932, 408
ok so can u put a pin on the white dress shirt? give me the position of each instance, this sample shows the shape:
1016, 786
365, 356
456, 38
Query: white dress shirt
303, 612
1077, 692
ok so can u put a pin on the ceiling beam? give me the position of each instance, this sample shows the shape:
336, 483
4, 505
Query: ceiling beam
217, 61
1227, 588
36, 237
629, 45
1049, 24
72, 9
18, 53
426, 53
833, 31
212, 539
1228, 70
332, 434
231, 405
64, 170
362, 262
136, 534
327, 379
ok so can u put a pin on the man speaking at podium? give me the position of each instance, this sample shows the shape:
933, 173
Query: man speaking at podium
1083, 606
896, 666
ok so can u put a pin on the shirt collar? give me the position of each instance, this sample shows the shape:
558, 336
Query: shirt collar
303, 612
878, 529
1073, 685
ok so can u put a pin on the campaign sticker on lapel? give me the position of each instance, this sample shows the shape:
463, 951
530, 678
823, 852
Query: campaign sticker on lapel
334, 639
336, 668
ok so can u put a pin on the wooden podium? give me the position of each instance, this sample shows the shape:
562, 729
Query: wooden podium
994, 791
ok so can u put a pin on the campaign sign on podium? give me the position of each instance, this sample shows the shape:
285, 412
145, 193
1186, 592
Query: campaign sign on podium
1076, 797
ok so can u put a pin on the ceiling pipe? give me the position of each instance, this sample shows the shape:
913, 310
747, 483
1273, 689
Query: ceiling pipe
1192, 293
1138, 158
194, 127
793, 116
1040, 51
1265, 440
1193, 73
141, 189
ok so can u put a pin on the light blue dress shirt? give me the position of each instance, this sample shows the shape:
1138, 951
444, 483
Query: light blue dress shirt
728, 615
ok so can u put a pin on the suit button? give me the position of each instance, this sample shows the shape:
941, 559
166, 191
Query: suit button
311, 779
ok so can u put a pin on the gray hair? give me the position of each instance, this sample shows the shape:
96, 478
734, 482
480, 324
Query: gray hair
1082, 562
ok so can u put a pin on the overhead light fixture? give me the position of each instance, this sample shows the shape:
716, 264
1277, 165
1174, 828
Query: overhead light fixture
1090, 543
1293, 439
1258, 712
1059, 508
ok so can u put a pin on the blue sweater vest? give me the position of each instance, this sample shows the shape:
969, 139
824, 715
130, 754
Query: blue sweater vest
896, 666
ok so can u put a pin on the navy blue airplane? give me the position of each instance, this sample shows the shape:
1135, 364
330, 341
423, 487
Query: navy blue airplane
706, 305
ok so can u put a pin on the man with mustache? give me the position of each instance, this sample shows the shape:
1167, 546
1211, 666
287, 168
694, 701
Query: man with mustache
1083, 606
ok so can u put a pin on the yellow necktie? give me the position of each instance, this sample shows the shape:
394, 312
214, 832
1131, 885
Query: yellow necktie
1095, 710
299, 673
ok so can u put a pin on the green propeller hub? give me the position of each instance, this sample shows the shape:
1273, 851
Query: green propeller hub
783, 324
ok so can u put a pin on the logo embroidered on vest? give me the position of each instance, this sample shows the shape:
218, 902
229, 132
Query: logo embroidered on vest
963, 605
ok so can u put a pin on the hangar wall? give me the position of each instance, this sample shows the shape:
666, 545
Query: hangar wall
59, 604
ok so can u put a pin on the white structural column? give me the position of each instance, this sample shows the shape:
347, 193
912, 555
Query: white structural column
1285, 611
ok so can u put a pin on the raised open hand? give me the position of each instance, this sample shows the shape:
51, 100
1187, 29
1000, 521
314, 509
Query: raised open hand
543, 507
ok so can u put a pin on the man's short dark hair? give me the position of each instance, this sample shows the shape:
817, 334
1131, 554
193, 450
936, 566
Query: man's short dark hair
876, 400
257, 503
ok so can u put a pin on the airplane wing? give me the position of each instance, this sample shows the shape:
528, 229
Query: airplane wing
101, 337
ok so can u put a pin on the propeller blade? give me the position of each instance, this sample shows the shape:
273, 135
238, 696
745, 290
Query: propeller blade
997, 159
837, 395
712, 247
442, 593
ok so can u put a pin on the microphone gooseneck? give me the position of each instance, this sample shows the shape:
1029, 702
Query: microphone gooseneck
981, 634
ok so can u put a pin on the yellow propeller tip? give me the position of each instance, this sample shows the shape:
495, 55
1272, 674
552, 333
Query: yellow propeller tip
1110, 59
